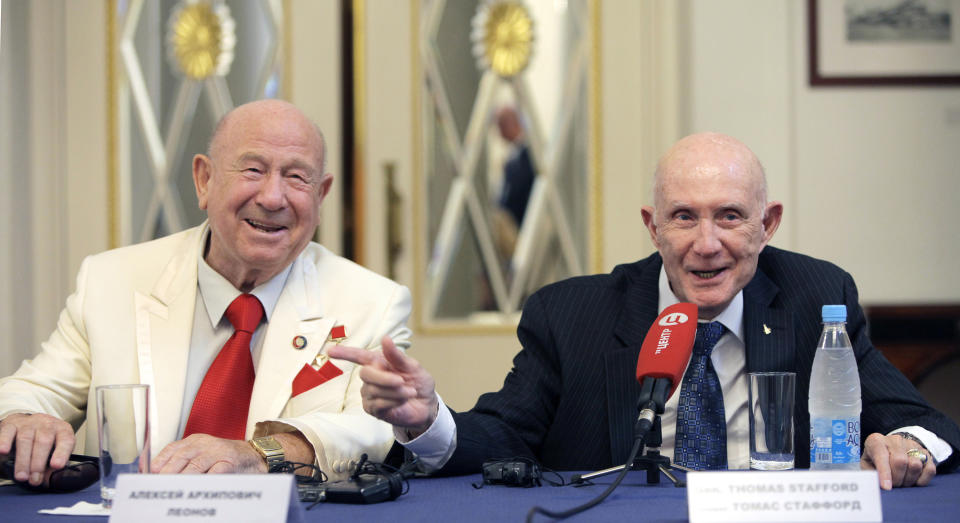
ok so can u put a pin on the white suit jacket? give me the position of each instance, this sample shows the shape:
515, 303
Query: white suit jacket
130, 321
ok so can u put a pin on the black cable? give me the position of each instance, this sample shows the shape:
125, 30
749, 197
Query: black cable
560, 483
387, 471
360, 464
637, 445
316, 476
409, 468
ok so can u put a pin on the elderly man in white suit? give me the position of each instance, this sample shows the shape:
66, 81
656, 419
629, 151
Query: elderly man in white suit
156, 313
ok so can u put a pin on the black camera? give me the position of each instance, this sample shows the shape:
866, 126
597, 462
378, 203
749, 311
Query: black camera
514, 473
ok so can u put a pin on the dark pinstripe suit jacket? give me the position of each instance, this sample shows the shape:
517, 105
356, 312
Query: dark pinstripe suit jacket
569, 400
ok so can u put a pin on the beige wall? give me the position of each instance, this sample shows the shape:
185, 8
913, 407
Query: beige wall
640, 116
314, 76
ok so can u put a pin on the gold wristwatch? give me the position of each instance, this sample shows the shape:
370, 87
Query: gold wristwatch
270, 449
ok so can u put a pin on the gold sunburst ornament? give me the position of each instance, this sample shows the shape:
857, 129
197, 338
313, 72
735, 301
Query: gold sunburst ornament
502, 36
200, 39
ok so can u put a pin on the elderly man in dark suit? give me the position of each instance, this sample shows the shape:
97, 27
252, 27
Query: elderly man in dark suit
569, 400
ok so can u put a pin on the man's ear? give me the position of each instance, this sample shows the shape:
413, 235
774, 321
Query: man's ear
202, 169
771, 220
326, 181
647, 213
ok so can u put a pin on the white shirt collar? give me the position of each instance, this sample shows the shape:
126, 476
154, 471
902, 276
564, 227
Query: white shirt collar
731, 317
217, 292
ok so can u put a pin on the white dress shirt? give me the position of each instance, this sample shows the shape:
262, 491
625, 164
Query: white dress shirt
435, 446
211, 328
729, 359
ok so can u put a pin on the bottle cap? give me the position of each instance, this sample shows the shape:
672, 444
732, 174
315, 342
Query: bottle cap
834, 313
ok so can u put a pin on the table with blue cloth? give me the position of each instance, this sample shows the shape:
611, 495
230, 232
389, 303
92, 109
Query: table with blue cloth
455, 499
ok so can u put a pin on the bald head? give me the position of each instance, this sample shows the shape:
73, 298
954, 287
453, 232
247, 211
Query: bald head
710, 219
257, 111
710, 155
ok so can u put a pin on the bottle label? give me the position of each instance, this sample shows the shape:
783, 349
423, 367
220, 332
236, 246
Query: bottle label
835, 440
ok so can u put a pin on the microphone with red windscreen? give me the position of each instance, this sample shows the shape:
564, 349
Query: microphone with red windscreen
665, 353
663, 359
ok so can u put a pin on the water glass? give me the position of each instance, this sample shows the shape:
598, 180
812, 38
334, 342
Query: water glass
771, 402
124, 428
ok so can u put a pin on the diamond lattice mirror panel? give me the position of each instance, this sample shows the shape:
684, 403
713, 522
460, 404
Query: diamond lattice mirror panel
505, 133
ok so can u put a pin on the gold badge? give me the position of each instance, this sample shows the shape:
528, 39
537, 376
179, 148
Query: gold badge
338, 333
320, 360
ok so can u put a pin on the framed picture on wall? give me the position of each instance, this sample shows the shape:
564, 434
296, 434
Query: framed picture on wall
884, 42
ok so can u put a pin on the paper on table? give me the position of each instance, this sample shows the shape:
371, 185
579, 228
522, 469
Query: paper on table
81, 508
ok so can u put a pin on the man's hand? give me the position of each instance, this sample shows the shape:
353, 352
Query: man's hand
888, 455
35, 436
203, 454
395, 388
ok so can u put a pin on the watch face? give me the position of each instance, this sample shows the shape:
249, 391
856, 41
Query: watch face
271, 451
267, 443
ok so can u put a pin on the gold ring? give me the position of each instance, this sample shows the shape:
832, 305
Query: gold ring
919, 454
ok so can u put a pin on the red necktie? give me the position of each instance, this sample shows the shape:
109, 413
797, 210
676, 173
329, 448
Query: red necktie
221, 406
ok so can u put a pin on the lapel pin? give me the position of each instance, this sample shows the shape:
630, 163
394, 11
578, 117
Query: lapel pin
338, 333
299, 342
766, 330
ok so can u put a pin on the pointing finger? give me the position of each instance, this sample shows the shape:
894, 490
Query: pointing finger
358, 356
400, 361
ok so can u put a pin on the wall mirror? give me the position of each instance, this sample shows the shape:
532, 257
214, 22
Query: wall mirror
178, 66
507, 136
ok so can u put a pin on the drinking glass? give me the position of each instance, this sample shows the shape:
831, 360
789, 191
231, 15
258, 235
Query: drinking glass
124, 427
771, 402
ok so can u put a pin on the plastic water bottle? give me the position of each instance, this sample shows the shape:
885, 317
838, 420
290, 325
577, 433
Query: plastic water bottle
834, 397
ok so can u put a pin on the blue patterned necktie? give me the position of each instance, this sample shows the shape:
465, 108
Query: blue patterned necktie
701, 437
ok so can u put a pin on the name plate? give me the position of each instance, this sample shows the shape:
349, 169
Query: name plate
799, 495
206, 497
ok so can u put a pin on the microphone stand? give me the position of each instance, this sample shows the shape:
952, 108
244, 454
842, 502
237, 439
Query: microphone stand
651, 404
